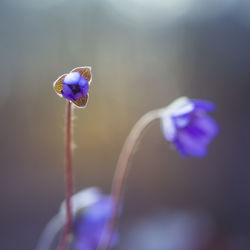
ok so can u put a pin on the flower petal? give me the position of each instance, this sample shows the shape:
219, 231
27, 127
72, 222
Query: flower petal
67, 93
186, 124
181, 121
207, 124
203, 105
168, 128
58, 84
193, 139
180, 148
190, 145
89, 225
72, 78
82, 102
85, 72
187, 108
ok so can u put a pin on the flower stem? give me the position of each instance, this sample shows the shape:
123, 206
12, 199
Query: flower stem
69, 179
121, 172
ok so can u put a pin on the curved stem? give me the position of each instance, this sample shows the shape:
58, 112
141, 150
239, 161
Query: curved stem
122, 170
69, 179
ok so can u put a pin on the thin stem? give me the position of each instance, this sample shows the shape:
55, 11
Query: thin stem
69, 179
122, 170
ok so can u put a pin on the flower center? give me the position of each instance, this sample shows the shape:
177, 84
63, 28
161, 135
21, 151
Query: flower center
75, 88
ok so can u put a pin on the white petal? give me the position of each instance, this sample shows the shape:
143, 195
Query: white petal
168, 128
81, 200
185, 109
177, 104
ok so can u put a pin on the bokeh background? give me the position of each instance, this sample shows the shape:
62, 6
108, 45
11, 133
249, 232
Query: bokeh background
144, 54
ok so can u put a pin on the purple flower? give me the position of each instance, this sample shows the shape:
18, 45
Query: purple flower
185, 123
91, 210
90, 224
74, 86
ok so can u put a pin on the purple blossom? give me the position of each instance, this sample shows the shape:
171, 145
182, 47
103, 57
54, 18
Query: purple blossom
185, 123
90, 224
91, 210
74, 86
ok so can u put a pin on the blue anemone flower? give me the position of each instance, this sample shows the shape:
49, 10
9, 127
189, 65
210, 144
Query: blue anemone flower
75, 86
187, 126
91, 211
89, 226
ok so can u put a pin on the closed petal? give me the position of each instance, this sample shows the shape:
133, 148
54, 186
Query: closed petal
67, 93
186, 109
85, 72
190, 145
89, 226
58, 84
82, 102
168, 128
180, 148
198, 134
203, 128
207, 124
181, 121
204, 105
178, 103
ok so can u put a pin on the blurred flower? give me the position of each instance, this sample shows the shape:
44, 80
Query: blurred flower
91, 211
186, 124
74, 86
89, 226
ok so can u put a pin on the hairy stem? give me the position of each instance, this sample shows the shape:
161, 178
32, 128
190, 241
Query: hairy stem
121, 172
69, 179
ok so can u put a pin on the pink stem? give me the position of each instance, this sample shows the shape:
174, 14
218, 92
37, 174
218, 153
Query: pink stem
121, 173
69, 180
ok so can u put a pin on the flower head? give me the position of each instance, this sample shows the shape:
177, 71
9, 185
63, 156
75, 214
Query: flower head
74, 86
89, 225
185, 123
91, 210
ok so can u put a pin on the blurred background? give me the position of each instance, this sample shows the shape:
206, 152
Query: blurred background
144, 54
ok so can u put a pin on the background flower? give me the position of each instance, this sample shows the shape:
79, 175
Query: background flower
186, 124
89, 225
91, 211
